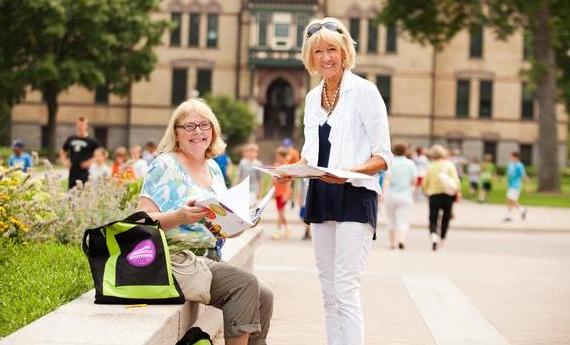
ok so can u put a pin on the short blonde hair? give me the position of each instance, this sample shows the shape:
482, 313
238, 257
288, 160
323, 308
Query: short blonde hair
168, 143
438, 152
342, 40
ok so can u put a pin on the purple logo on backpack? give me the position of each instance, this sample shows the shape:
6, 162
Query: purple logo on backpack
143, 254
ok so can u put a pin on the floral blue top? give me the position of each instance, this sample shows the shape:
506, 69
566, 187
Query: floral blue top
169, 186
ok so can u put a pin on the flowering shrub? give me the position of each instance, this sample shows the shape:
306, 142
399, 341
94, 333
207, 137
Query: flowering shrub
42, 209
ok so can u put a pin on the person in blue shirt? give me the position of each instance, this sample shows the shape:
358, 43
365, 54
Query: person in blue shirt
224, 162
19, 158
515, 175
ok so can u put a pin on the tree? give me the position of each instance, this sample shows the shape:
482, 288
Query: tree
51, 45
236, 119
436, 22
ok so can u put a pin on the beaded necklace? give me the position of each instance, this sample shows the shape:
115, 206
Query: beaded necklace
330, 106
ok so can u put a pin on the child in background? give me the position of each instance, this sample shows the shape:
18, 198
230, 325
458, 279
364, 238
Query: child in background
140, 166
486, 178
282, 195
246, 168
473, 171
121, 171
99, 168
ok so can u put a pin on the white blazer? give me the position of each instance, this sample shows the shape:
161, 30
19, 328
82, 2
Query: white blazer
359, 127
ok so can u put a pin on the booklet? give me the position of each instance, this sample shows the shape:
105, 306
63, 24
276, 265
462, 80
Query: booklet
310, 171
230, 214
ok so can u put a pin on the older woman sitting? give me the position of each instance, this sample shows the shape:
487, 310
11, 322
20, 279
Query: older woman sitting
182, 173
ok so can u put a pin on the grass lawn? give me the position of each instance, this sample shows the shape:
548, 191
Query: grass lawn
36, 279
529, 195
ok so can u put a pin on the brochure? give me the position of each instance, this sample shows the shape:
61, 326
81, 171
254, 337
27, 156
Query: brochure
230, 214
310, 171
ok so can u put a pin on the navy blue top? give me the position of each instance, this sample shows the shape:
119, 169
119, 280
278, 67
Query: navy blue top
338, 202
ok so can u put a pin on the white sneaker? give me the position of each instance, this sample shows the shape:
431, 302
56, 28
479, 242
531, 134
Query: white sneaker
434, 238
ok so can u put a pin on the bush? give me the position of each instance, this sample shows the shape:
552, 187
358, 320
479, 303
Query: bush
41, 209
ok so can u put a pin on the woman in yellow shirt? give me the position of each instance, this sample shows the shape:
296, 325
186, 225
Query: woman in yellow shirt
442, 186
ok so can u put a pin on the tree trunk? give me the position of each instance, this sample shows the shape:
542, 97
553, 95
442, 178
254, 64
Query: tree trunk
5, 123
50, 96
549, 170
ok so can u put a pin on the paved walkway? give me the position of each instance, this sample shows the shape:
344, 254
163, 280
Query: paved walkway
484, 287
469, 215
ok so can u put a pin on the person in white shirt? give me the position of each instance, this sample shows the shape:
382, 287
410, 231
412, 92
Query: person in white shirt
345, 127
99, 169
246, 169
139, 165
398, 187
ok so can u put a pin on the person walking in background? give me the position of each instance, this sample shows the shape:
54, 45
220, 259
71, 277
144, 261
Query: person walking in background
398, 189
224, 162
474, 171
19, 158
441, 185
421, 160
282, 195
293, 156
77, 152
515, 175
149, 153
458, 161
345, 127
139, 165
99, 168
183, 172
246, 169
487, 173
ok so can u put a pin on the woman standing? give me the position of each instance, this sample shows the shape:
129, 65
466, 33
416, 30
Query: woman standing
399, 196
440, 177
182, 173
346, 127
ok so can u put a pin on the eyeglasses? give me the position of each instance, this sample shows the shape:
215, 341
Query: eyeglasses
332, 26
191, 127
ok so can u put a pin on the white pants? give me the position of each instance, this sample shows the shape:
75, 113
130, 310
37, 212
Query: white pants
398, 211
341, 250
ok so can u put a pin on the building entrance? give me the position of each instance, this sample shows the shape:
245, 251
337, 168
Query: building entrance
279, 111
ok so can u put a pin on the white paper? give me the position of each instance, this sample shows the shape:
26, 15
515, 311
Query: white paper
310, 171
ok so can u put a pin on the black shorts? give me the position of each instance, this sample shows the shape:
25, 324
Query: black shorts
474, 185
486, 186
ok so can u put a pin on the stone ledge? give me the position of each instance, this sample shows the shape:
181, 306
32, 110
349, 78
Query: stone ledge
81, 322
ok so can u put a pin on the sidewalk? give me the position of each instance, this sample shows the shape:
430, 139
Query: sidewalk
469, 216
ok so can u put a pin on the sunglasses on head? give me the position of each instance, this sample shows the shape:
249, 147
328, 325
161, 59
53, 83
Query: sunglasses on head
332, 26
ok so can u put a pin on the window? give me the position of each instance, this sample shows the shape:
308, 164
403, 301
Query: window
526, 154
212, 38
384, 85
263, 20
281, 30
302, 22
391, 35
194, 34
372, 36
102, 95
204, 81
476, 41
175, 17
485, 99
527, 44
527, 106
179, 88
490, 148
355, 31
102, 135
462, 100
